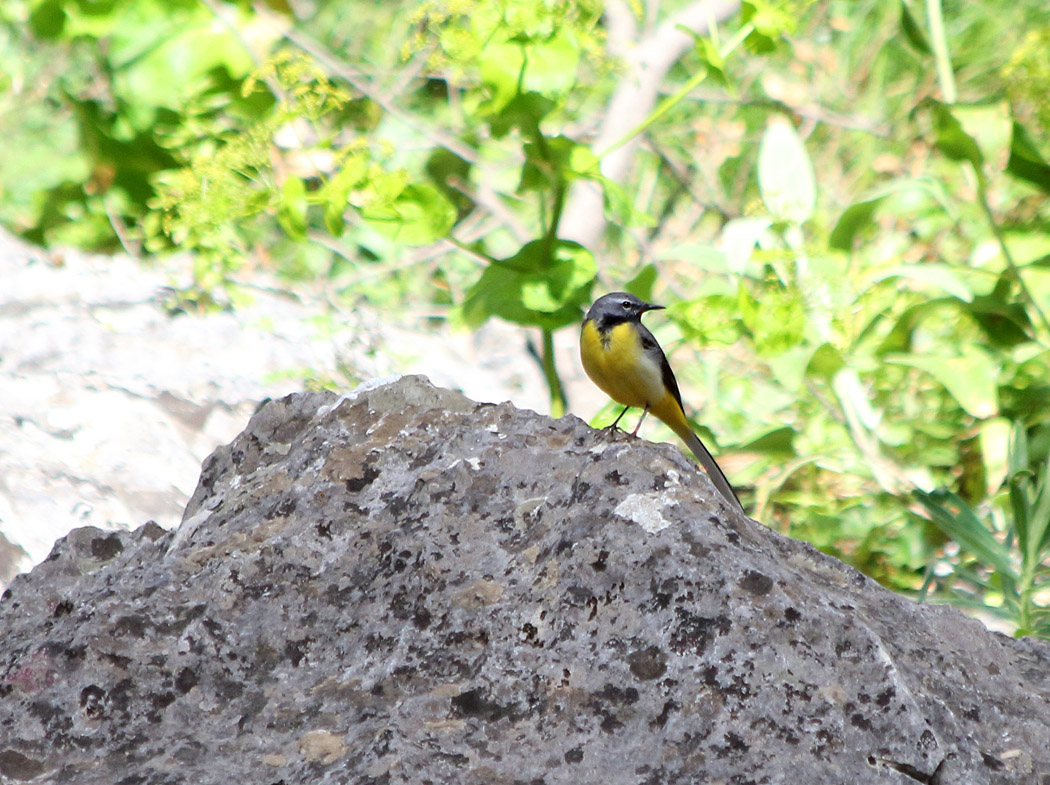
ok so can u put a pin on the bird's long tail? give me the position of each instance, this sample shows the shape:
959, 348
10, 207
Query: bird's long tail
714, 471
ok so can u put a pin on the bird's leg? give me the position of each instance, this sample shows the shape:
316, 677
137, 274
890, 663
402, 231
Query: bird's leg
618, 418
645, 411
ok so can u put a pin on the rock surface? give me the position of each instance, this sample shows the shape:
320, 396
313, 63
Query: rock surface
403, 586
108, 404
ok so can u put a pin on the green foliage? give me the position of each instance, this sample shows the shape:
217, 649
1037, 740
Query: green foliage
859, 256
1000, 566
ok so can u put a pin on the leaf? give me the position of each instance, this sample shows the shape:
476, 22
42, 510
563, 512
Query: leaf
1026, 162
785, 174
941, 276
854, 219
556, 159
970, 377
530, 289
501, 65
642, 283
524, 111
418, 215
778, 440
912, 31
739, 238
826, 362
951, 139
994, 438
335, 194
550, 65
291, 210
990, 127
955, 518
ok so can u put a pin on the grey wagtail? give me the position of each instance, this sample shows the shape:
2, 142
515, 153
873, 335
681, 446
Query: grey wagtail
625, 361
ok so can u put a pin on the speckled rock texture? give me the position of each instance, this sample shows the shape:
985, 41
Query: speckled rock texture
403, 586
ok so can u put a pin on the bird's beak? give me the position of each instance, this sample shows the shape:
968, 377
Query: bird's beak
651, 307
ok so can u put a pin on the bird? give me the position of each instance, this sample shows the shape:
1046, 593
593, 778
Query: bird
624, 359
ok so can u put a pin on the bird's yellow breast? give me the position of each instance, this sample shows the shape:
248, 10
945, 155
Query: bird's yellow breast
618, 364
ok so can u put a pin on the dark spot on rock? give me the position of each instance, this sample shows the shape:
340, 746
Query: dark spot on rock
228, 688
883, 698
421, 619
992, 762
598, 565
134, 625
17, 766
119, 660
756, 583
575, 755
282, 508
357, 484
92, 700
324, 530
472, 704
610, 723
664, 715
858, 720
186, 680
579, 491
295, 651
792, 614
972, 713
927, 740
694, 633
162, 699
105, 548
529, 633
63, 608
649, 663
735, 743
842, 647
615, 478
614, 694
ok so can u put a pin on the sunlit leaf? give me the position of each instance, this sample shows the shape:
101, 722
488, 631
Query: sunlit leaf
418, 215
291, 210
970, 378
941, 276
785, 174
533, 289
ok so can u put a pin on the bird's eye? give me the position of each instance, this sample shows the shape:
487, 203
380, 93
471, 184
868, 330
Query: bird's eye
626, 305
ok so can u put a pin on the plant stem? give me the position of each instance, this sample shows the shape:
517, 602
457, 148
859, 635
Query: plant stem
558, 402
939, 42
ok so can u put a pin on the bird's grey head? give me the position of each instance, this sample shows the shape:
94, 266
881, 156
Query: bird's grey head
619, 307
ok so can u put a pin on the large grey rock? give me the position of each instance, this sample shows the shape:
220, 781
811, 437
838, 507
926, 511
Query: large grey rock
108, 404
403, 586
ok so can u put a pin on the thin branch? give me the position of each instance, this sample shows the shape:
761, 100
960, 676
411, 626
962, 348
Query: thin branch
646, 68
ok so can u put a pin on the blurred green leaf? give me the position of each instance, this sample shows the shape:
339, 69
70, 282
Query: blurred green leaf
1026, 162
291, 211
854, 220
940, 276
550, 65
785, 174
533, 289
912, 31
642, 283
970, 377
951, 139
418, 215
956, 519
